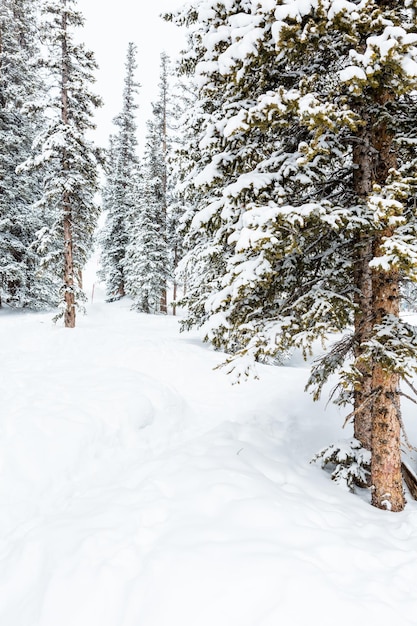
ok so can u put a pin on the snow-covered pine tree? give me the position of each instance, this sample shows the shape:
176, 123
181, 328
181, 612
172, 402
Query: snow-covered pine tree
321, 218
148, 260
121, 186
185, 196
207, 161
184, 101
22, 283
67, 159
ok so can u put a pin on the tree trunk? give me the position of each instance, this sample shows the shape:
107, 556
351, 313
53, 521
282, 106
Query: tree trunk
163, 302
174, 297
80, 278
386, 473
69, 295
377, 424
69, 315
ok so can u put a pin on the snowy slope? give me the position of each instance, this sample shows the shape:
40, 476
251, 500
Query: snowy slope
139, 488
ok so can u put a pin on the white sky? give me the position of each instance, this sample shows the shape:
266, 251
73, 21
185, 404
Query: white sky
109, 28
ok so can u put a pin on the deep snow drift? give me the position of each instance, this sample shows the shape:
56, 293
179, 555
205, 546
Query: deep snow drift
139, 488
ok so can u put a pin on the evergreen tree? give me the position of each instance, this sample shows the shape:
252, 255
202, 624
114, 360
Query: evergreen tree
121, 185
207, 166
22, 283
67, 159
148, 261
182, 203
318, 99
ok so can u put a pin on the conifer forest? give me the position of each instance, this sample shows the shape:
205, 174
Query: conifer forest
273, 202
209, 332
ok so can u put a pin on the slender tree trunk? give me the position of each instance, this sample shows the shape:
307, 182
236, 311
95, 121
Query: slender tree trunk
163, 303
175, 286
69, 295
80, 278
174, 297
69, 315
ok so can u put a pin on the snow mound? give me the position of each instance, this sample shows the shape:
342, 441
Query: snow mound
139, 487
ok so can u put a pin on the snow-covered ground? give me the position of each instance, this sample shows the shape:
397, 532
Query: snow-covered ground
139, 488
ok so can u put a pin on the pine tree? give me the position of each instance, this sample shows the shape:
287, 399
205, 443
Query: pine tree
183, 197
22, 283
67, 159
207, 165
148, 261
121, 184
318, 99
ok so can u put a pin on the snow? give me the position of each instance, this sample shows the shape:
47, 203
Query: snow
138, 486
352, 72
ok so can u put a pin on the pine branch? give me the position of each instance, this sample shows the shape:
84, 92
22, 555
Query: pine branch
405, 395
401, 422
411, 386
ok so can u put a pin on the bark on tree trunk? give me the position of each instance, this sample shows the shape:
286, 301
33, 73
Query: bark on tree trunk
174, 296
69, 295
69, 315
175, 286
378, 425
80, 278
163, 302
386, 473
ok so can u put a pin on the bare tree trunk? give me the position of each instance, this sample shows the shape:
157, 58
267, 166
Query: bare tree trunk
69, 315
163, 303
80, 278
174, 297
386, 473
175, 286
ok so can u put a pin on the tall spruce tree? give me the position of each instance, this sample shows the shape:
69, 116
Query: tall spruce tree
148, 264
183, 198
206, 162
319, 213
121, 186
22, 282
66, 157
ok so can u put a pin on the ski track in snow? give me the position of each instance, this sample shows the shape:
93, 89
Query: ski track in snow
139, 488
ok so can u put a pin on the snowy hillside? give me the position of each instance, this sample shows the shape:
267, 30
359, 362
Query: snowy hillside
139, 488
